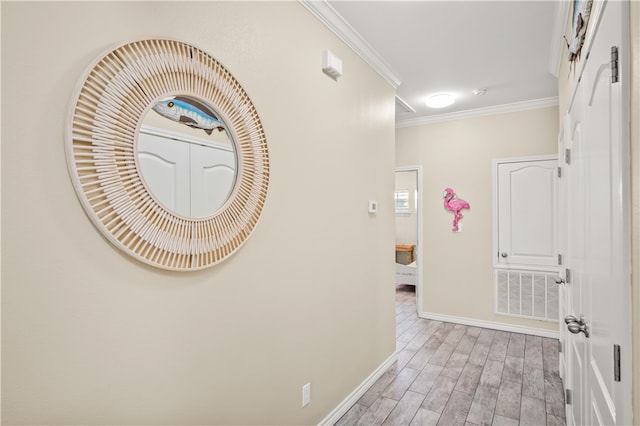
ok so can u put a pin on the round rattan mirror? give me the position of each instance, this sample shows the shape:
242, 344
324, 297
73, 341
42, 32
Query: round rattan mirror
102, 142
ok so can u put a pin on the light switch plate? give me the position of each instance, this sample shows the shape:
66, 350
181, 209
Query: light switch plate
373, 206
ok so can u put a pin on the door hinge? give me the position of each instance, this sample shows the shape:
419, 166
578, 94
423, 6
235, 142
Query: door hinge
559, 171
560, 346
615, 72
567, 276
559, 259
616, 363
567, 396
567, 156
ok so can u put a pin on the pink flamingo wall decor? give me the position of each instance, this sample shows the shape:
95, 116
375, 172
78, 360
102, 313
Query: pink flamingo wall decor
454, 205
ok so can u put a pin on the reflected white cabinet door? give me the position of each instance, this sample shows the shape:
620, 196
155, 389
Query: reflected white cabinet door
190, 179
165, 168
212, 178
526, 213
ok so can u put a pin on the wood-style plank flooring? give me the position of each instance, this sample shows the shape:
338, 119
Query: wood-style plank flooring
452, 374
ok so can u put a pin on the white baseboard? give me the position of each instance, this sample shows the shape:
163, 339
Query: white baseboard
354, 396
491, 324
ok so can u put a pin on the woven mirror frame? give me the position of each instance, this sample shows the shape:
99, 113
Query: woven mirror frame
113, 96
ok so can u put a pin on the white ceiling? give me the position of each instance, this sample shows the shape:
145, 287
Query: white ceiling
504, 47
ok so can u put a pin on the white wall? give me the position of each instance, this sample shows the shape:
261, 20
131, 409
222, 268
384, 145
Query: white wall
458, 267
90, 335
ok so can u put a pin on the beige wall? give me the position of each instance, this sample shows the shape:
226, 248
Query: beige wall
92, 336
458, 267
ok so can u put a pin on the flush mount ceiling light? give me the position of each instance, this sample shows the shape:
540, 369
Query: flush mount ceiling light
440, 100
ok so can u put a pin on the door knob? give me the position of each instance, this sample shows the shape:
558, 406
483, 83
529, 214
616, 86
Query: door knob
559, 280
504, 254
576, 328
576, 325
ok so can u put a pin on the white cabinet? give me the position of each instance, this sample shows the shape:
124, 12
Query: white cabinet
189, 178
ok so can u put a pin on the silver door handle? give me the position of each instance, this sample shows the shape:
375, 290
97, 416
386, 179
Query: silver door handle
576, 328
576, 325
559, 280
504, 254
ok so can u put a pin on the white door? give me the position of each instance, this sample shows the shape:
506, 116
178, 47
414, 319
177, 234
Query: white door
526, 213
575, 179
598, 254
165, 167
190, 179
562, 225
212, 178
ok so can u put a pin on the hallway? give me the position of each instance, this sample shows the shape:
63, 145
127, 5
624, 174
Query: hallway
451, 374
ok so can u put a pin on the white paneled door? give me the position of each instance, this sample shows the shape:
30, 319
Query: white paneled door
166, 166
212, 178
526, 191
595, 179
188, 178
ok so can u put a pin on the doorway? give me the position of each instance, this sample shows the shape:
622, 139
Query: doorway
408, 219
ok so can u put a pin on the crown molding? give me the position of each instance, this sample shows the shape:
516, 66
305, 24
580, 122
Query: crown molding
557, 41
322, 10
405, 104
479, 112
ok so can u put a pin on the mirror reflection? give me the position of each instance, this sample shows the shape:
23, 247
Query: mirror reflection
186, 156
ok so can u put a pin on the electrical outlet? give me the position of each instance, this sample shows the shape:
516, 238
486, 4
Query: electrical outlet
306, 394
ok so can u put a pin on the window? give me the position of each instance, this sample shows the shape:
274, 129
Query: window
402, 201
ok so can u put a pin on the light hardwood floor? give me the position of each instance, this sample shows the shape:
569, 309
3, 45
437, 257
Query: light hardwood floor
452, 374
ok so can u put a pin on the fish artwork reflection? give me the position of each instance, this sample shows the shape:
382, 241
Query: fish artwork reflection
189, 112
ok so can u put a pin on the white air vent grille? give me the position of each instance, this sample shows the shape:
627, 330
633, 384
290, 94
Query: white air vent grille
531, 294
